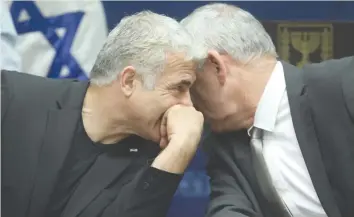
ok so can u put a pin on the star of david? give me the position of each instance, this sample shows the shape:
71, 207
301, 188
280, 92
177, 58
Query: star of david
47, 26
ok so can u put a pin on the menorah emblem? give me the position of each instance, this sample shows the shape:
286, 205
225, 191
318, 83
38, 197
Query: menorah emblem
305, 43
301, 43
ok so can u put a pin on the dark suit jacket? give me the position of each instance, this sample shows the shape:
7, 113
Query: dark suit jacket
321, 98
39, 118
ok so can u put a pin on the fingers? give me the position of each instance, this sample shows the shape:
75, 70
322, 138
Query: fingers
175, 119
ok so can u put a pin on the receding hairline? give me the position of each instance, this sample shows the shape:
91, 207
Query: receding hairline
221, 8
203, 19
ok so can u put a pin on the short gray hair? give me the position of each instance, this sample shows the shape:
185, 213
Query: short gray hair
143, 41
229, 30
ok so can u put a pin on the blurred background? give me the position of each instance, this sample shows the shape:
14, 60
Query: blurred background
60, 39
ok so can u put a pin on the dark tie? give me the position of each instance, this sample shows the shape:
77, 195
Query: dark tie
263, 177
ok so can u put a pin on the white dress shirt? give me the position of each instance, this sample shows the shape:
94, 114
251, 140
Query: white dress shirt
282, 152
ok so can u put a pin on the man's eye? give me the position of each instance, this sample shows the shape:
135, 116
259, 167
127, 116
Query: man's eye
181, 88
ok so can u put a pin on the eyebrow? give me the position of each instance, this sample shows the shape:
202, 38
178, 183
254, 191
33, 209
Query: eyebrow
185, 82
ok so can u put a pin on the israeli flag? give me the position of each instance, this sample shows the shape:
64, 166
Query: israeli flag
59, 39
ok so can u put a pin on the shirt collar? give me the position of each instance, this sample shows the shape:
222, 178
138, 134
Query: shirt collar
268, 105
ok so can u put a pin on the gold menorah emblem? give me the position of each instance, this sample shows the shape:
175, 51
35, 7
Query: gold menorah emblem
301, 43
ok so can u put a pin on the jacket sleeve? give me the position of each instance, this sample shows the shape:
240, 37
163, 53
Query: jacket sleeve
149, 193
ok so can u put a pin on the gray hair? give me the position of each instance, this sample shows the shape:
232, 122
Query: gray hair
229, 30
142, 40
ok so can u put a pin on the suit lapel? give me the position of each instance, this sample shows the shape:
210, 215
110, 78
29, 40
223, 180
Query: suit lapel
306, 136
61, 126
242, 153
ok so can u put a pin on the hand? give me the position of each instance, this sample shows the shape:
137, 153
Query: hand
181, 129
183, 123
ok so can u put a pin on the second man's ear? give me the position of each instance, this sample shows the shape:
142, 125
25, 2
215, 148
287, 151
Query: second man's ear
128, 80
220, 68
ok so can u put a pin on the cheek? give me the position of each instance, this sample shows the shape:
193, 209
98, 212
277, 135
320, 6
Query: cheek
203, 102
167, 102
212, 106
157, 106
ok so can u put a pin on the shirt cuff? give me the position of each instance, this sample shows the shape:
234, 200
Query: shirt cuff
155, 180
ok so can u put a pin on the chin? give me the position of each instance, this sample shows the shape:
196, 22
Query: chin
155, 132
152, 131
152, 136
216, 128
156, 137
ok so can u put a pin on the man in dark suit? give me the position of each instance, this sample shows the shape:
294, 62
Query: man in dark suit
285, 136
77, 148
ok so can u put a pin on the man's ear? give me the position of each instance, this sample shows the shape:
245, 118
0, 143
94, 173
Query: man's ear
127, 80
217, 61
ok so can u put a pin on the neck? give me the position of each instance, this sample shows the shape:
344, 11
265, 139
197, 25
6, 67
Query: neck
258, 75
101, 121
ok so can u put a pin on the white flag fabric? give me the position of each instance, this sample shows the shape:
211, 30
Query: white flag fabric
10, 59
59, 39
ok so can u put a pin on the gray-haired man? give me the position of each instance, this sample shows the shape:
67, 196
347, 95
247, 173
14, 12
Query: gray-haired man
300, 159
